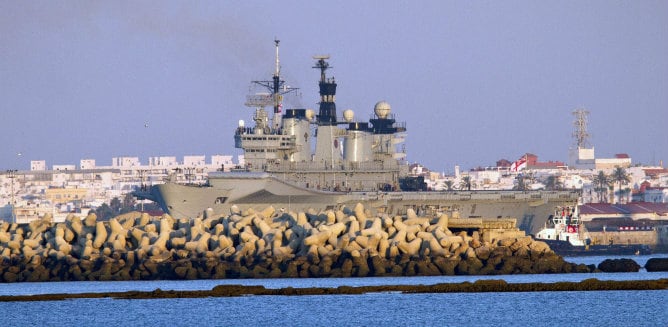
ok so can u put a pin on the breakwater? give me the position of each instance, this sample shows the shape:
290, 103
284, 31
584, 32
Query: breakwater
267, 244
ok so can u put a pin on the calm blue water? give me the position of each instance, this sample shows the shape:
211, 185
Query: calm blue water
607, 308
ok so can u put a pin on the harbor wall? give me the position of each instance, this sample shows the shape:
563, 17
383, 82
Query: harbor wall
268, 243
649, 237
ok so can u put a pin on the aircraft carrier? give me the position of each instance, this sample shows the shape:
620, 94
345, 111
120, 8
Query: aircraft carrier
296, 159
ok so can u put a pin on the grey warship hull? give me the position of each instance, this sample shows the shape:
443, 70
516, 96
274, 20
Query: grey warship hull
257, 191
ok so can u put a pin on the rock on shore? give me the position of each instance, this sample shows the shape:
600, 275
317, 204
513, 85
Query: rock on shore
619, 265
657, 264
262, 244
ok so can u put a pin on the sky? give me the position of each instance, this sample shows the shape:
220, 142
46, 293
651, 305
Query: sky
474, 81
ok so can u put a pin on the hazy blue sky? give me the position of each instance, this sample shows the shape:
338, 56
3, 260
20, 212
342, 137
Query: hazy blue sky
475, 81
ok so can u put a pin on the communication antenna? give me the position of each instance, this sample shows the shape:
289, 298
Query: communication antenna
276, 86
580, 134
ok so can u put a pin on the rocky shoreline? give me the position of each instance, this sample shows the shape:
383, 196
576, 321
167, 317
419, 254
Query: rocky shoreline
265, 244
479, 286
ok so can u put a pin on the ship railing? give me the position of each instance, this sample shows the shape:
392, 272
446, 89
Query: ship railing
245, 130
526, 195
483, 195
400, 126
239, 174
349, 167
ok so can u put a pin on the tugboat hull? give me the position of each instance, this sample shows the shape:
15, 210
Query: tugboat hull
564, 248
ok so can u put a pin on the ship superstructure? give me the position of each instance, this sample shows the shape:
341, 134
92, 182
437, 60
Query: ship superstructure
319, 151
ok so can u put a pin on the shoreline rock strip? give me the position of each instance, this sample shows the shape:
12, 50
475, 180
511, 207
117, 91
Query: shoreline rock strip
265, 244
479, 286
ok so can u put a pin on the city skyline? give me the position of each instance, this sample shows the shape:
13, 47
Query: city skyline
474, 82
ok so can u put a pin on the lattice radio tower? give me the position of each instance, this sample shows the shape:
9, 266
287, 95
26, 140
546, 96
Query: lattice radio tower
580, 134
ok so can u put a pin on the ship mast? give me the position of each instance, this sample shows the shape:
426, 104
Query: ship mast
276, 96
277, 89
327, 112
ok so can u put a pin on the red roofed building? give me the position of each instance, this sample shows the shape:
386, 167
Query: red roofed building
631, 223
635, 215
533, 163
633, 209
503, 163
655, 172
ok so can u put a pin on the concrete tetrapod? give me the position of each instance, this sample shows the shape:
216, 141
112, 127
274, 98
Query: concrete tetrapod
264, 243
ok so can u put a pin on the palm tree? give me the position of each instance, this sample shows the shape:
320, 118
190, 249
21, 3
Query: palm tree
553, 183
611, 191
521, 182
465, 183
623, 193
448, 185
601, 184
620, 176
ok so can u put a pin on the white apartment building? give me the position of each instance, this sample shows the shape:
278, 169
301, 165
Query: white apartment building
162, 161
87, 164
64, 167
222, 161
37, 165
194, 161
125, 162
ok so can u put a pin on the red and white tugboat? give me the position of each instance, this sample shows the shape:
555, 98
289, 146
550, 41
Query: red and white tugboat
566, 235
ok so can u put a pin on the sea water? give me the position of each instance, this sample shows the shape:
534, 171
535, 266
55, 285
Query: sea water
603, 308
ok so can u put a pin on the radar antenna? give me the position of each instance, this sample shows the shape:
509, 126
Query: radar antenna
580, 134
322, 65
259, 100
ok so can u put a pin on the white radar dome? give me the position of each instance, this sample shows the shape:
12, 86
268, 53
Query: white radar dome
310, 114
241, 123
348, 115
382, 109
